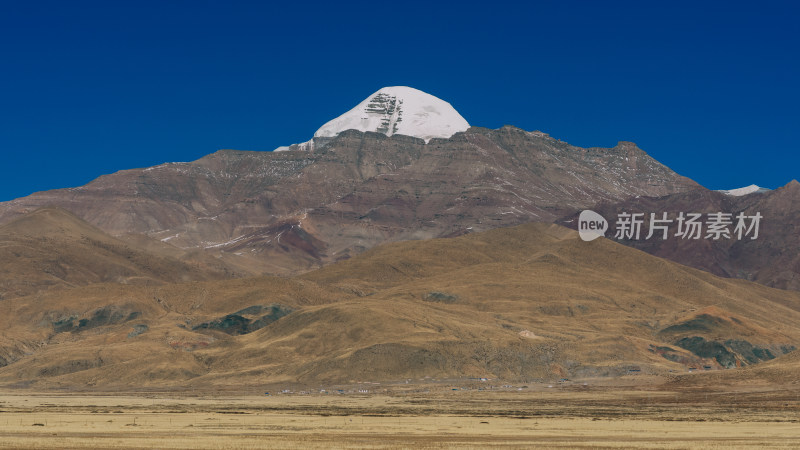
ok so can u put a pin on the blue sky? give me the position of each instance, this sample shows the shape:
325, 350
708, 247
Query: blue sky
89, 88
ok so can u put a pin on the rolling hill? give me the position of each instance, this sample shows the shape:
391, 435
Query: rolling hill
51, 248
525, 303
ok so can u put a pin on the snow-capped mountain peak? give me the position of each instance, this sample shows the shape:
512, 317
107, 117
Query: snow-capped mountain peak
399, 110
744, 190
395, 110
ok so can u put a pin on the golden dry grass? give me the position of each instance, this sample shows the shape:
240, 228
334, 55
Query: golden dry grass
612, 418
51, 249
595, 309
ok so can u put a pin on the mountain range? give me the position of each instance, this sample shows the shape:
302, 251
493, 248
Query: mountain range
291, 211
398, 243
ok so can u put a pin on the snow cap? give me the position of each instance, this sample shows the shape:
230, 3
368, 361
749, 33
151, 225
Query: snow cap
399, 110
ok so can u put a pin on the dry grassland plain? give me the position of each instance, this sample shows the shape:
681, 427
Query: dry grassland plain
434, 417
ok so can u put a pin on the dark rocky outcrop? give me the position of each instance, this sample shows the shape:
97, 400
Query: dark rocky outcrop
439, 297
107, 315
729, 353
247, 320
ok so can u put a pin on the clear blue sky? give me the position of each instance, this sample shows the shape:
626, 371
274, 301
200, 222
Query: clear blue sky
89, 88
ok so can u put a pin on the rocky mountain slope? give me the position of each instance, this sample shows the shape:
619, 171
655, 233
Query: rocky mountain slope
291, 211
773, 258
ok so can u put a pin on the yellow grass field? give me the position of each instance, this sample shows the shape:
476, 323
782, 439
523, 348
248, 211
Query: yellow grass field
537, 417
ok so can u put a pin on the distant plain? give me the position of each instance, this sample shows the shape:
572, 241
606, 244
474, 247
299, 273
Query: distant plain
573, 416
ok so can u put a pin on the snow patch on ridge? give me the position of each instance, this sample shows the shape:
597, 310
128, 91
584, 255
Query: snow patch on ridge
744, 190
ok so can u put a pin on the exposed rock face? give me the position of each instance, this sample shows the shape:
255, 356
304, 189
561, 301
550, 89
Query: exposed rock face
722, 338
247, 320
108, 315
772, 259
283, 212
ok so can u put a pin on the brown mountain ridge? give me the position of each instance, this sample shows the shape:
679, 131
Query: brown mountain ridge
772, 259
289, 212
